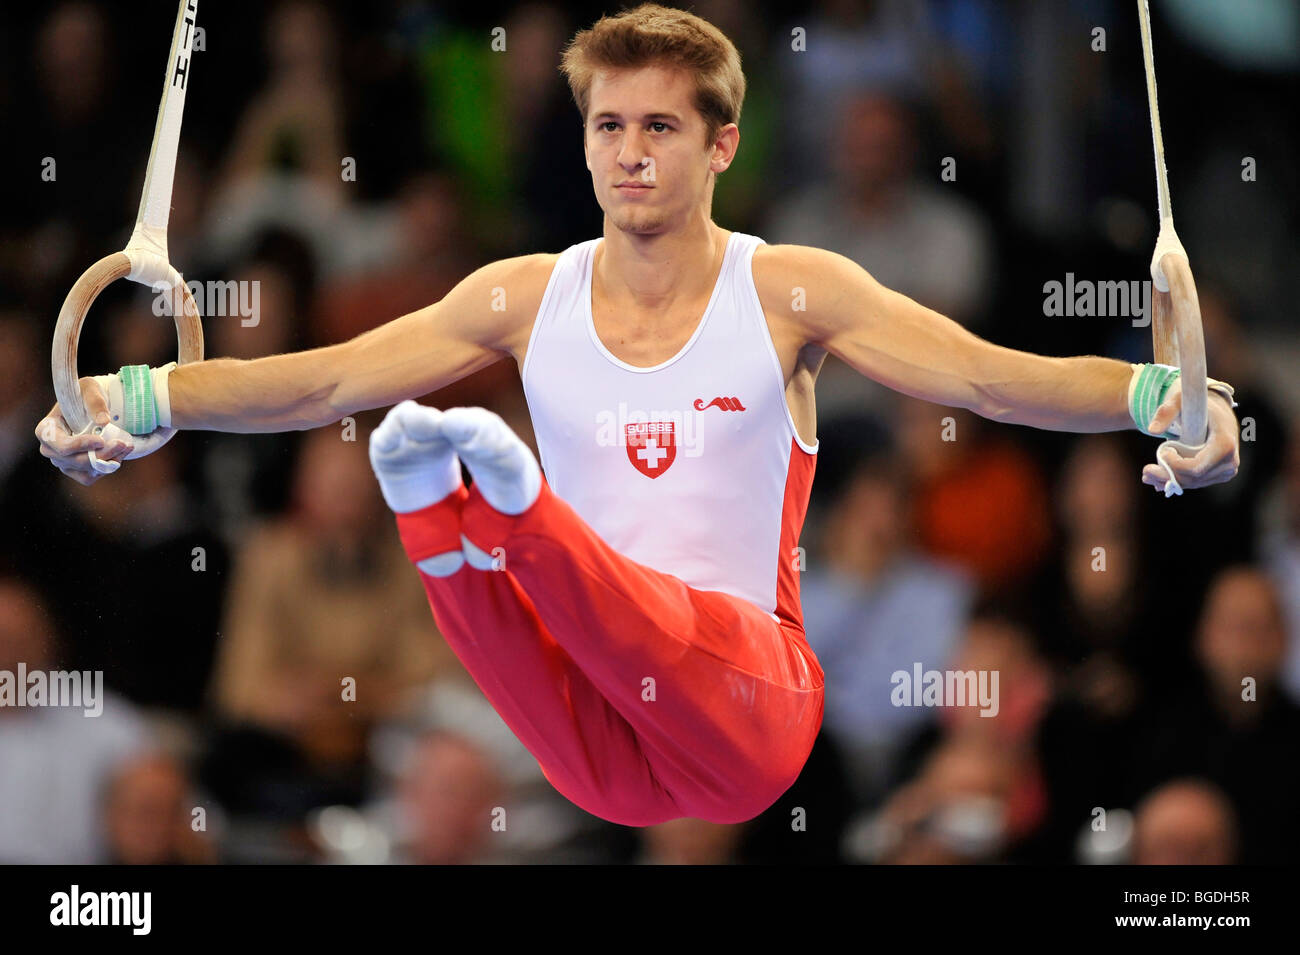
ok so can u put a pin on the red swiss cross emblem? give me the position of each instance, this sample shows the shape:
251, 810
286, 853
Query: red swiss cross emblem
651, 446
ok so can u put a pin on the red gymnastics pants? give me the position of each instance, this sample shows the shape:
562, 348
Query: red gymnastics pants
566, 637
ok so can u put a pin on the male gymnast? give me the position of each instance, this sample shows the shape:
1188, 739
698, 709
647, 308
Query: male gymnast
634, 615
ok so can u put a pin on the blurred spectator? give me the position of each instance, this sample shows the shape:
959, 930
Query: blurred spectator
890, 216
427, 254
972, 76
1235, 726
872, 604
296, 120
979, 499
1186, 822
73, 120
288, 161
844, 46
446, 800
1093, 597
458, 786
979, 795
954, 812
148, 815
321, 597
998, 644
54, 760
691, 842
1242, 637
513, 139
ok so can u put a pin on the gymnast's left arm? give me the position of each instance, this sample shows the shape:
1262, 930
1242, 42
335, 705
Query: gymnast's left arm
917, 351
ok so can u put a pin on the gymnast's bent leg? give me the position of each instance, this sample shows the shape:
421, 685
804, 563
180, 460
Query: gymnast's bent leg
737, 701
585, 748
737, 696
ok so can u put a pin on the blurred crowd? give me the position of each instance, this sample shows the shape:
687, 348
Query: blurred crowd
277, 689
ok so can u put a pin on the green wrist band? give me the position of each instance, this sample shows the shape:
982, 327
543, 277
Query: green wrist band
139, 409
1148, 394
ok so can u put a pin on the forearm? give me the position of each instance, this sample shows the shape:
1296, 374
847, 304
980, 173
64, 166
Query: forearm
1084, 394
290, 392
928, 356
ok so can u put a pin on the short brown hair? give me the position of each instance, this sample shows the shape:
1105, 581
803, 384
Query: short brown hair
654, 35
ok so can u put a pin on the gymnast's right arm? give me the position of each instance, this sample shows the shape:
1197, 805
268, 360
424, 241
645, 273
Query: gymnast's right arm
467, 330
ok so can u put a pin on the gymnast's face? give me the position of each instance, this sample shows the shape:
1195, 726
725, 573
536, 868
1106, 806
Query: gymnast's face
651, 166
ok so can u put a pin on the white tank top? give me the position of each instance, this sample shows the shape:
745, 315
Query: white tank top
692, 467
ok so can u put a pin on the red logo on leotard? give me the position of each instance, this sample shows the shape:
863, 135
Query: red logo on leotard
652, 446
726, 404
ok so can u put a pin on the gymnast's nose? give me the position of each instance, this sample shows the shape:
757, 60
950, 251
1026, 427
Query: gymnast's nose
632, 153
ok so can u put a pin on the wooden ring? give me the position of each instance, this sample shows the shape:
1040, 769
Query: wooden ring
1180, 340
67, 333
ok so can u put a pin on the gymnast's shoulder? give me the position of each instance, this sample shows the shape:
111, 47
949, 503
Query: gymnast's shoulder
503, 294
522, 275
803, 282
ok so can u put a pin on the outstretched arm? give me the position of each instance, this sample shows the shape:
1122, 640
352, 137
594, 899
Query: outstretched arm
888, 337
405, 358
410, 356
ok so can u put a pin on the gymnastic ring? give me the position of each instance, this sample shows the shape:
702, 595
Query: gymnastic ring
1179, 339
67, 333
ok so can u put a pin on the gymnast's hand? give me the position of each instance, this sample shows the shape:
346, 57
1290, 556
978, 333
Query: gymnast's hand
69, 452
1216, 462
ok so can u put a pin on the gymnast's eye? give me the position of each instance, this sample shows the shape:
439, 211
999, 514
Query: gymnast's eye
665, 126
608, 123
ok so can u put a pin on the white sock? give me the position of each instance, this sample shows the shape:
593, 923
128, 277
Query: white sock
416, 467
477, 557
443, 565
505, 471
415, 464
